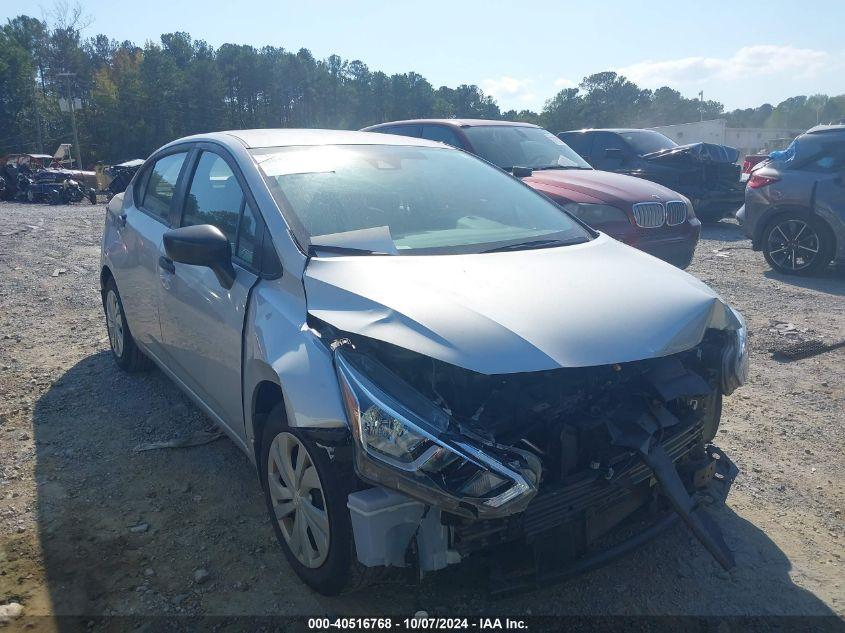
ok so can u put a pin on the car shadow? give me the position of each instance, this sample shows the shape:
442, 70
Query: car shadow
831, 280
726, 230
128, 533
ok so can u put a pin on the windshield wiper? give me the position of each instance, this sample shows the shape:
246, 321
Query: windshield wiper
545, 167
341, 250
545, 243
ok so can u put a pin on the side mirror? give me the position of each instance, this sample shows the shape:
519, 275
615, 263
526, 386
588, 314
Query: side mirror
614, 154
522, 172
202, 245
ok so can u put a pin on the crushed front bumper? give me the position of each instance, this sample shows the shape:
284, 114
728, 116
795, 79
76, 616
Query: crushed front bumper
570, 530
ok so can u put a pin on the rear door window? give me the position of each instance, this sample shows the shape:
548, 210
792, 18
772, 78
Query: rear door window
578, 141
161, 185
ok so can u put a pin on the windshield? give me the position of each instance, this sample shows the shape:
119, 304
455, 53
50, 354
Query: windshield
407, 200
511, 146
647, 141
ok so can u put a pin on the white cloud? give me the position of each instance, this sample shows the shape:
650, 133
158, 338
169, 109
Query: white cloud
510, 91
563, 83
747, 63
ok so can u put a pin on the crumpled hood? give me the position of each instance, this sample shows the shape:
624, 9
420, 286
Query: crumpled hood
496, 313
703, 152
594, 186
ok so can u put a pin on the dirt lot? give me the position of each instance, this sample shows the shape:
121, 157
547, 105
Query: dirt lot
90, 527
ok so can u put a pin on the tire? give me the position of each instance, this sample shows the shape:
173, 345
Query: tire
328, 571
797, 244
124, 350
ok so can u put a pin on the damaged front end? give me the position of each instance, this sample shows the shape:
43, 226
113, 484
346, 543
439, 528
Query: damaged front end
551, 460
706, 173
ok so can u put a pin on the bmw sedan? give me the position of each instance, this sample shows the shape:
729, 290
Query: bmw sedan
423, 357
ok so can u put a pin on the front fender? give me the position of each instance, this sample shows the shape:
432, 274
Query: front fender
281, 348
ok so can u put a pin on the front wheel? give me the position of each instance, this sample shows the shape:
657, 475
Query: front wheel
797, 245
306, 498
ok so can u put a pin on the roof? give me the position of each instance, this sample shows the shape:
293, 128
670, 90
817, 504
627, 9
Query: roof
254, 139
455, 123
822, 129
616, 130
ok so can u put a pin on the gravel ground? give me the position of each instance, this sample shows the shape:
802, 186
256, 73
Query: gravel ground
89, 527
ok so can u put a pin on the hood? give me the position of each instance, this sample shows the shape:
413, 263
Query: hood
596, 187
595, 303
699, 152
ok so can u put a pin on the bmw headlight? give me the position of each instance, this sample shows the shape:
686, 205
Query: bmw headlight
404, 441
595, 213
735, 358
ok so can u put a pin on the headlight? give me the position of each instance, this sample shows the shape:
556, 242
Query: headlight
595, 213
403, 441
735, 358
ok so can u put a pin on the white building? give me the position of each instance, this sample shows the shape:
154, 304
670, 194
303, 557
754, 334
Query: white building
747, 140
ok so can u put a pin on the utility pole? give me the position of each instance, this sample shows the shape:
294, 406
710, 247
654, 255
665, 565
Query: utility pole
38, 138
69, 97
701, 105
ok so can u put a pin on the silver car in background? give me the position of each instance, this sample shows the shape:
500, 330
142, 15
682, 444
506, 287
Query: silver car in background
795, 203
423, 357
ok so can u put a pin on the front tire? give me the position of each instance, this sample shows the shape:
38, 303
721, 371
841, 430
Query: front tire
305, 494
124, 350
794, 244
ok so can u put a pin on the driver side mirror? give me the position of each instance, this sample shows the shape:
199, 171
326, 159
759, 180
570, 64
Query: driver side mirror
202, 245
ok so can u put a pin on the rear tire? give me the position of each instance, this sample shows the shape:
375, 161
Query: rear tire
797, 244
124, 350
315, 508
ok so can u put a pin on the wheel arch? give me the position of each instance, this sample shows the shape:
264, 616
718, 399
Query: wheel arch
266, 395
105, 276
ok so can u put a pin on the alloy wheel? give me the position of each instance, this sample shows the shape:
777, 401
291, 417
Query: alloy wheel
793, 244
114, 323
298, 501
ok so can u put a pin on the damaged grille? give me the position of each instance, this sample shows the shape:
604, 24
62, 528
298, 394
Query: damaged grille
649, 215
566, 502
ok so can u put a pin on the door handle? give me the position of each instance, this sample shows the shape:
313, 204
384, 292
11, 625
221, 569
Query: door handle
166, 264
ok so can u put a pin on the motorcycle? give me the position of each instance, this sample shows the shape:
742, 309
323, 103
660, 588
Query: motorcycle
70, 191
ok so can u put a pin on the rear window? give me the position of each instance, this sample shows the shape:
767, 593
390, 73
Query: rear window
162, 183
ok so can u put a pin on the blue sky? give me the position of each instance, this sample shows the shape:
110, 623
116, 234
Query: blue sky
742, 53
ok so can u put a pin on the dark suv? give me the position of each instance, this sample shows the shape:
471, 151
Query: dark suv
705, 173
795, 203
642, 214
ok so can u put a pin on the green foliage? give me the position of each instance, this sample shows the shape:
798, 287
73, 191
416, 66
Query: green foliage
138, 98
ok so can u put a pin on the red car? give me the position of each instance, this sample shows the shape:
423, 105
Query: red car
638, 212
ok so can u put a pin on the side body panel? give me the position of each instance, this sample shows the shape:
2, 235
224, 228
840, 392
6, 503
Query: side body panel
830, 206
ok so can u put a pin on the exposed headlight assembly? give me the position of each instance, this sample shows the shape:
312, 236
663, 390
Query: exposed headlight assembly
595, 213
403, 441
735, 358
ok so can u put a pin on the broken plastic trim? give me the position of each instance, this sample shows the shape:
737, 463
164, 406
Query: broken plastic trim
385, 414
735, 358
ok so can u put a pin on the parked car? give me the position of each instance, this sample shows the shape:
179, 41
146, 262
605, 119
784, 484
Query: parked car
16, 170
795, 203
705, 173
644, 215
422, 356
